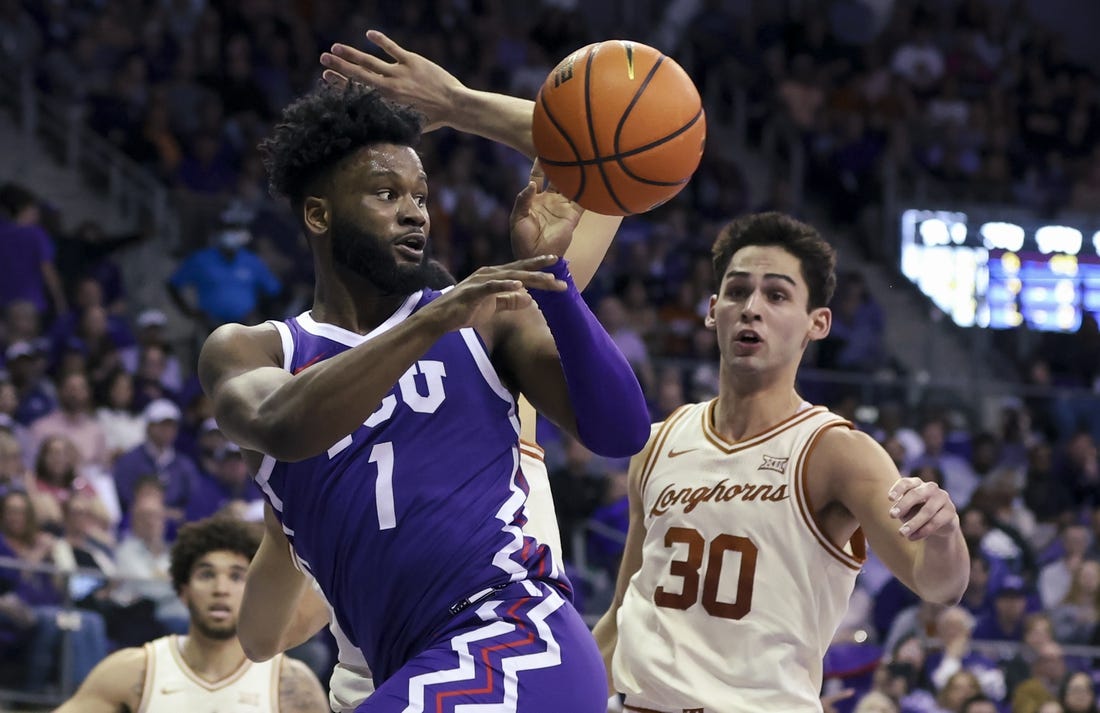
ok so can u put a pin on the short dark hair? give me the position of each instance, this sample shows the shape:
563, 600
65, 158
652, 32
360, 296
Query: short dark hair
816, 257
15, 198
323, 127
214, 534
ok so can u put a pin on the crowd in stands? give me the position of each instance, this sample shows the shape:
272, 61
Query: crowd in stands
107, 443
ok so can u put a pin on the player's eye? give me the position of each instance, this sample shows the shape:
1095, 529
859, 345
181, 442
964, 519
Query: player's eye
385, 194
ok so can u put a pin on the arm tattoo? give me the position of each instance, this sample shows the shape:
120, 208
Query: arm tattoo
137, 690
299, 689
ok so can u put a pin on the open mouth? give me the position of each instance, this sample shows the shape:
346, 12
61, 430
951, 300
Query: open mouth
220, 612
412, 245
747, 336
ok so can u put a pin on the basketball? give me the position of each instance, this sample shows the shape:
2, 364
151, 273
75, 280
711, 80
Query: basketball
619, 127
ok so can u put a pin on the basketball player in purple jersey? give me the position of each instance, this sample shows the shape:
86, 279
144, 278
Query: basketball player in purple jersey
383, 424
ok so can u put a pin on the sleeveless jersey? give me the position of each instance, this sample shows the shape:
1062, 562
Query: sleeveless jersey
351, 681
420, 510
740, 592
171, 685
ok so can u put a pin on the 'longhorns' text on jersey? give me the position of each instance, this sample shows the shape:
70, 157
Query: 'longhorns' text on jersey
420, 510
740, 592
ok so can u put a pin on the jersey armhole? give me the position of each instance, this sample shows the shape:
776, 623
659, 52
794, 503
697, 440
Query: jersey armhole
288, 343
150, 673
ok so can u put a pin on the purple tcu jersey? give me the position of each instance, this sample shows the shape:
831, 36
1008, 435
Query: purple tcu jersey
420, 509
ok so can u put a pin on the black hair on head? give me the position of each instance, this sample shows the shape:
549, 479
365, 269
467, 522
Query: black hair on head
323, 127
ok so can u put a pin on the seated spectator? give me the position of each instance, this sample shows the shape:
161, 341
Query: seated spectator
142, 558
1048, 497
157, 456
122, 425
150, 331
959, 478
1038, 632
56, 479
1047, 673
35, 598
9, 404
13, 472
26, 364
979, 704
1075, 619
875, 702
1055, 577
608, 524
1006, 621
1078, 693
855, 341
954, 627
960, 688
978, 599
231, 486
75, 421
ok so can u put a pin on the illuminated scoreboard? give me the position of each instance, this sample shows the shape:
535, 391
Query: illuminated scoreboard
1001, 274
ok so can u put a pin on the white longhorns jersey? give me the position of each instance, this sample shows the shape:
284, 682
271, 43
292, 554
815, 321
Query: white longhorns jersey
171, 685
351, 681
739, 592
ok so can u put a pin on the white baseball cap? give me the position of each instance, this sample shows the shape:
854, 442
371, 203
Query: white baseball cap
161, 410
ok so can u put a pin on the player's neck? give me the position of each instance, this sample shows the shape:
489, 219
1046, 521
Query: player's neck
744, 410
352, 303
212, 659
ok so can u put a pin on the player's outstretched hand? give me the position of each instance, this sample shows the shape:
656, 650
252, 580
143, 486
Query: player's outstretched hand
493, 289
542, 219
410, 79
924, 509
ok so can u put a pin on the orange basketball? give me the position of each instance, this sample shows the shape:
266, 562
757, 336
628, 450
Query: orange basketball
619, 127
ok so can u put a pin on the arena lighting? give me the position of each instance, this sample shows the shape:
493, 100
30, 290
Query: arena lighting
1058, 239
1003, 236
987, 269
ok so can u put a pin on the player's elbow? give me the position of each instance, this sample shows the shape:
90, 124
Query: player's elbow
622, 440
258, 646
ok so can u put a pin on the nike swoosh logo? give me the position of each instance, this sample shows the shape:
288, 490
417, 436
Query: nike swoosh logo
167, 690
309, 363
676, 454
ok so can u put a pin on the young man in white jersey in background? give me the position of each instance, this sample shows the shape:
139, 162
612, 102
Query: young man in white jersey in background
206, 670
748, 513
282, 607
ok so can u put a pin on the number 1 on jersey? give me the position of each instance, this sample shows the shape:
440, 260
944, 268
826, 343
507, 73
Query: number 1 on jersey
382, 454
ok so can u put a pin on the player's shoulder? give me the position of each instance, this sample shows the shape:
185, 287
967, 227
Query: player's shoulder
121, 676
232, 343
846, 451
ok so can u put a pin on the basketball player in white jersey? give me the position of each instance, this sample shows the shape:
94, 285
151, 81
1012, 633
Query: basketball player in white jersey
748, 513
207, 669
282, 607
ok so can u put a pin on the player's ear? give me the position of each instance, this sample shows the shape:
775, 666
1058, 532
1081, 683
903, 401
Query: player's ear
821, 321
709, 321
316, 215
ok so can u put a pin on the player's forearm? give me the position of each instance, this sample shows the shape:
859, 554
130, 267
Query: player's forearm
497, 117
608, 404
267, 620
942, 569
314, 410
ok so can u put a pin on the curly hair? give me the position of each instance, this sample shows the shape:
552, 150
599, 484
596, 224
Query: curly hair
320, 129
219, 533
816, 257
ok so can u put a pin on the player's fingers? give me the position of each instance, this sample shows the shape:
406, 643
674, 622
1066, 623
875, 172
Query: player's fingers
528, 263
334, 78
940, 520
904, 507
902, 486
509, 301
388, 46
359, 59
538, 176
921, 516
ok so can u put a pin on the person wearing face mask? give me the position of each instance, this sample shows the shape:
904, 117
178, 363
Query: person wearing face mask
229, 282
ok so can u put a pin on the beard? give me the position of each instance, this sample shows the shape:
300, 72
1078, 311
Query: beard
371, 257
215, 631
